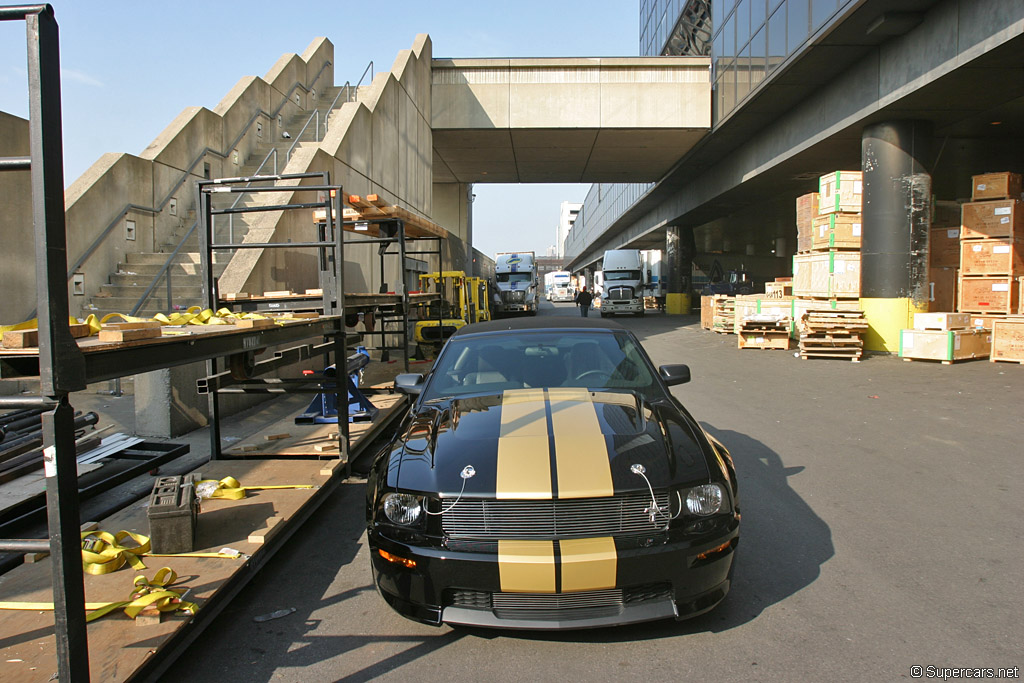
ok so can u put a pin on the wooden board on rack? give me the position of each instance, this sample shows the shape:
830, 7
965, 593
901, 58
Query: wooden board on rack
302, 439
118, 646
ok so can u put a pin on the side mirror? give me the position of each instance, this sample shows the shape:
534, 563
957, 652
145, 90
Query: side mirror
672, 374
411, 383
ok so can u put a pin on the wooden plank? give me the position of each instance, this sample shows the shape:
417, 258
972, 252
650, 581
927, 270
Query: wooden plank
235, 296
275, 437
29, 339
278, 293
264, 533
114, 650
129, 334
376, 201
330, 468
137, 325
254, 323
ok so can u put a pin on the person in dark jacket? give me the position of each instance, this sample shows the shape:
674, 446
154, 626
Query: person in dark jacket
583, 300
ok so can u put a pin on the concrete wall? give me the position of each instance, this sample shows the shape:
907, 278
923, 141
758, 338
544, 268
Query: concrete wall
121, 187
18, 274
380, 144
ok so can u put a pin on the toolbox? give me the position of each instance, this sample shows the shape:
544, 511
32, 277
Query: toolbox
172, 512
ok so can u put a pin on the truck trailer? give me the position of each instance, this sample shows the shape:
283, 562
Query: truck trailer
624, 282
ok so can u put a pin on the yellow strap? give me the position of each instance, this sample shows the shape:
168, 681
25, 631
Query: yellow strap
145, 593
103, 552
194, 315
232, 489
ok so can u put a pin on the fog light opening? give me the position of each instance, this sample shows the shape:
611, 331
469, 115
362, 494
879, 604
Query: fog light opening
714, 551
395, 559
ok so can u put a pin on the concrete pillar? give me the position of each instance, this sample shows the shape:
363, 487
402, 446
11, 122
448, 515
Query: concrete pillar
679, 252
897, 210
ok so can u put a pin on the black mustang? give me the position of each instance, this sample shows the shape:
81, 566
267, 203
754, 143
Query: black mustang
545, 478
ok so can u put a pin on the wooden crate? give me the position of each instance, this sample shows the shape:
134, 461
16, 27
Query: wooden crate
764, 331
806, 211
945, 346
988, 295
942, 321
707, 312
837, 231
1004, 185
828, 333
724, 313
984, 321
841, 191
1020, 296
944, 247
759, 304
992, 257
942, 283
782, 288
827, 275
1008, 340
997, 218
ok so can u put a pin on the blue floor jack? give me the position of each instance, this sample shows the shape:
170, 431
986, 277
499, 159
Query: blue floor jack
324, 407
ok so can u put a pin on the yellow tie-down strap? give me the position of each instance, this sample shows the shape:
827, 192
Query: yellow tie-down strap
195, 315
146, 593
232, 489
104, 552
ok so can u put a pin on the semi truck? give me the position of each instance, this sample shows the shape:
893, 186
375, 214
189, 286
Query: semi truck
516, 285
561, 287
627, 276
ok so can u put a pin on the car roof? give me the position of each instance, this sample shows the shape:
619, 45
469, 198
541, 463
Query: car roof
545, 323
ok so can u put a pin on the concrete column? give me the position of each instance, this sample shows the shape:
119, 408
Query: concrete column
897, 210
679, 251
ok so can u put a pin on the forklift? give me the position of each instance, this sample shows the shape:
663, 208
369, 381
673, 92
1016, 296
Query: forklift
463, 300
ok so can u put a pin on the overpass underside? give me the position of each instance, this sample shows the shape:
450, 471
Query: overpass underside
566, 120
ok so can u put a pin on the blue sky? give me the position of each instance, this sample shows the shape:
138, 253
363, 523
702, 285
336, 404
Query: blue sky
130, 67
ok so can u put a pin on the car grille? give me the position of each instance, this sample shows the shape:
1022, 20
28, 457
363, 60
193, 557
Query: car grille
560, 606
620, 293
516, 297
551, 519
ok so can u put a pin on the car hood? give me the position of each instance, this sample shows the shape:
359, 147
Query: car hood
543, 444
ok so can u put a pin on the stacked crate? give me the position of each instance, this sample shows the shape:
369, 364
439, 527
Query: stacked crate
763, 331
945, 337
944, 256
723, 313
707, 311
827, 273
1008, 339
832, 334
991, 248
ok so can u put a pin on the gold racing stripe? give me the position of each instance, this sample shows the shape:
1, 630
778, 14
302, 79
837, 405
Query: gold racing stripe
581, 453
588, 564
524, 458
526, 566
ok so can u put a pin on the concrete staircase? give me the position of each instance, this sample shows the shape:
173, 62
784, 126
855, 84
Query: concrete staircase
127, 285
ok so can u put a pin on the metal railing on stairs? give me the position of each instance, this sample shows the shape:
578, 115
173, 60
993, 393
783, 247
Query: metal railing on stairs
102, 237
350, 93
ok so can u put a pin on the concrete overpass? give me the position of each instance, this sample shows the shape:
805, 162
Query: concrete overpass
566, 120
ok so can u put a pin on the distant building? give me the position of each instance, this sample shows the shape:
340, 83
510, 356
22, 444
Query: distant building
547, 264
566, 217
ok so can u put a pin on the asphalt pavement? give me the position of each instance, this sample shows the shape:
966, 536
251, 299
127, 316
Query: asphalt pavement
882, 530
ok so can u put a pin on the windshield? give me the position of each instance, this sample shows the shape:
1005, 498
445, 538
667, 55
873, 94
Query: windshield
514, 277
617, 275
541, 360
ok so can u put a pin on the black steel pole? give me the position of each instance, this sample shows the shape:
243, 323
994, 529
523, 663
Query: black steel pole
405, 295
340, 339
61, 366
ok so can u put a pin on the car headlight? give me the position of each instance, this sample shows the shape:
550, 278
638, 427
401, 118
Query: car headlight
705, 500
404, 509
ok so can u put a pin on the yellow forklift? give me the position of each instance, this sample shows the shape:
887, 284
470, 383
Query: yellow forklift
463, 300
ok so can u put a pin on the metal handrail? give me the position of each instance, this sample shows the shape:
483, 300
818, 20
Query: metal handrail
231, 217
316, 115
188, 171
327, 116
166, 268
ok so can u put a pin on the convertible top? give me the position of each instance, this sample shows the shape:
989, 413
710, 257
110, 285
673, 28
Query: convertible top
545, 323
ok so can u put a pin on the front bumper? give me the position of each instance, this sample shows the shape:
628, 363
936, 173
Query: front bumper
634, 306
664, 580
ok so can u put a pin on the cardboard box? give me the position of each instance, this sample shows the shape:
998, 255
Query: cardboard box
1000, 218
942, 321
827, 275
944, 247
1008, 340
840, 192
992, 257
988, 295
945, 346
1003, 185
942, 284
806, 211
837, 231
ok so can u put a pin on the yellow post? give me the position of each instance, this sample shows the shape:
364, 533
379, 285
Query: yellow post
677, 304
886, 318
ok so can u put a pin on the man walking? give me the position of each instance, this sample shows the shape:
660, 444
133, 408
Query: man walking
583, 300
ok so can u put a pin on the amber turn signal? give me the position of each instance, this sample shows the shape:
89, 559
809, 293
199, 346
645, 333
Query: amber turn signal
408, 564
709, 553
